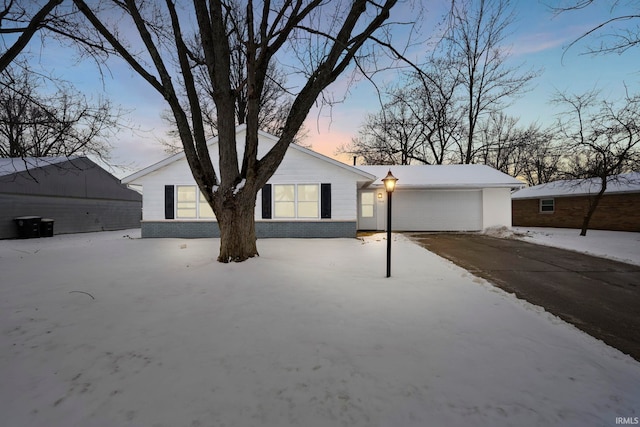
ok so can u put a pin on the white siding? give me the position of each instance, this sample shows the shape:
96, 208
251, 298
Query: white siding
177, 173
296, 167
496, 207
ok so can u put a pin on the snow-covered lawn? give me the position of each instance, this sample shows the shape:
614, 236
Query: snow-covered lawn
311, 333
617, 245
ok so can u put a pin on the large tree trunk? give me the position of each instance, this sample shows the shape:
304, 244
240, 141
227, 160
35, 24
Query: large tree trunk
236, 220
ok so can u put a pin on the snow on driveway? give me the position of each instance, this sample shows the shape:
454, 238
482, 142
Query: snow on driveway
104, 330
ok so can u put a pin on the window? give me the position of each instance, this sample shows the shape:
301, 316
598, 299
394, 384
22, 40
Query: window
204, 210
366, 204
308, 201
188, 206
296, 201
284, 201
547, 205
186, 201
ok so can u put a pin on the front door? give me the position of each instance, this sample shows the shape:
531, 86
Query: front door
367, 210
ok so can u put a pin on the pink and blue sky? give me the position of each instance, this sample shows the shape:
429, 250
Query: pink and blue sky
538, 40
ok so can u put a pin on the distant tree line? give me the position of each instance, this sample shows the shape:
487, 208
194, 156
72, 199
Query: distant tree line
450, 110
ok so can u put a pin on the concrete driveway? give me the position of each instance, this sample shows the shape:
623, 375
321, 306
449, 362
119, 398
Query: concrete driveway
599, 296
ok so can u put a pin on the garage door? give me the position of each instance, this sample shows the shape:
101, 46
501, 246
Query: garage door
434, 210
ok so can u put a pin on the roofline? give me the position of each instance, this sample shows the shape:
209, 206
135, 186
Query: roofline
175, 157
154, 167
553, 196
454, 186
516, 183
46, 162
353, 169
317, 155
632, 177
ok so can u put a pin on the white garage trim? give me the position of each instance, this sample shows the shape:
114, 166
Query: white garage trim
437, 210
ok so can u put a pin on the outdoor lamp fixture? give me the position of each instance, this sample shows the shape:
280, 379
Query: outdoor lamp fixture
390, 185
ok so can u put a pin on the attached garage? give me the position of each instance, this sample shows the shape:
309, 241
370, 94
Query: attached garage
438, 198
437, 210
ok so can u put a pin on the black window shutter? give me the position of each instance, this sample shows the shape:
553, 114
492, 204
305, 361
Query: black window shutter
168, 202
325, 200
266, 201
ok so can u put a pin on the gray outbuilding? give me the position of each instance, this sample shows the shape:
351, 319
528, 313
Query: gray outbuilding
76, 193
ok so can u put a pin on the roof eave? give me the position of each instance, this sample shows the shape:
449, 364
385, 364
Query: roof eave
366, 177
452, 186
354, 169
152, 168
606, 193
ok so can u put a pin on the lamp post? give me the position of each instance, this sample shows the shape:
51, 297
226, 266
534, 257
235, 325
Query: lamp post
389, 185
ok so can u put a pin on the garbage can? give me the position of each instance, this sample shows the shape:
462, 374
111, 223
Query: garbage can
28, 226
46, 227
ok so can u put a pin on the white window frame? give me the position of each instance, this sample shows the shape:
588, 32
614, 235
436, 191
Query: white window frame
178, 202
279, 203
365, 213
198, 204
542, 205
305, 203
296, 201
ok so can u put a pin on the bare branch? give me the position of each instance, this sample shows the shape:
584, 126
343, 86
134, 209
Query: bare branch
620, 39
35, 23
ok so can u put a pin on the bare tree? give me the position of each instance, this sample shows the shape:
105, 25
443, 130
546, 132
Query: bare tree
444, 100
329, 36
372, 145
38, 122
419, 122
501, 143
522, 152
542, 157
273, 112
393, 136
603, 137
23, 20
435, 105
616, 34
476, 42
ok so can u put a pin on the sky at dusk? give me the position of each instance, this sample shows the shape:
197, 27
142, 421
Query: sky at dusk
538, 41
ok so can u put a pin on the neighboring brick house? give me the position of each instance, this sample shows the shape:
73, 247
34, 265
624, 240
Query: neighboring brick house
563, 204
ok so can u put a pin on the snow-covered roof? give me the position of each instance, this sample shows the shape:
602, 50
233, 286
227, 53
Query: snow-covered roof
444, 176
240, 129
9, 166
625, 183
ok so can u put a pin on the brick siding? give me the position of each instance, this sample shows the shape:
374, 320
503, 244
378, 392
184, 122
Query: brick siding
619, 212
264, 229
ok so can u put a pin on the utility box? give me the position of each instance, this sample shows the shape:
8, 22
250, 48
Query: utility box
28, 226
46, 227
